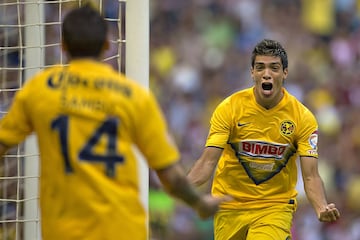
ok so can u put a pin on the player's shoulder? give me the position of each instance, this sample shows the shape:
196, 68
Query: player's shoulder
45, 73
36, 82
236, 100
292, 99
137, 88
241, 94
296, 104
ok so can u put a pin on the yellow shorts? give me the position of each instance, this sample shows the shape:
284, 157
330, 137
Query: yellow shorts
272, 223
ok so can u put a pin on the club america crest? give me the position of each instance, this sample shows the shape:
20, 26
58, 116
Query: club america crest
287, 127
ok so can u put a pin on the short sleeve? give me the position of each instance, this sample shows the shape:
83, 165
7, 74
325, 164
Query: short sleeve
220, 125
152, 135
16, 124
308, 135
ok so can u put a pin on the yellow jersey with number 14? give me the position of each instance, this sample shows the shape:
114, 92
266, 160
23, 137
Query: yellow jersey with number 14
258, 164
88, 118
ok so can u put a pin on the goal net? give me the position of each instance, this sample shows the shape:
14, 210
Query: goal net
30, 37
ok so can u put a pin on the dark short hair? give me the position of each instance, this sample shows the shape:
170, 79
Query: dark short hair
268, 47
84, 32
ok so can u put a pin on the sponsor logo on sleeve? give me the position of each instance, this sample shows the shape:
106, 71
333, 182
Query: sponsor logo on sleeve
313, 141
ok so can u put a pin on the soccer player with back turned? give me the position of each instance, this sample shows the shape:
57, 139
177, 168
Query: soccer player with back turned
87, 118
255, 137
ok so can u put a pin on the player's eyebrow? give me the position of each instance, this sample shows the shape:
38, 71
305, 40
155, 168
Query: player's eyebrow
259, 65
271, 63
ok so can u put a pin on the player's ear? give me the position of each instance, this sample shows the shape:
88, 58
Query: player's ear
63, 45
285, 73
106, 45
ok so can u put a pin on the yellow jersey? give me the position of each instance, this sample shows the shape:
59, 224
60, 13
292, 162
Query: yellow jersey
258, 164
88, 118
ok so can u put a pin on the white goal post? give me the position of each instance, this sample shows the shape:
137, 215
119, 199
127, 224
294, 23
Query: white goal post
137, 66
34, 61
33, 54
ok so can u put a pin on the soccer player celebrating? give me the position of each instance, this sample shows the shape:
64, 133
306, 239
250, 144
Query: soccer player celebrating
255, 137
87, 118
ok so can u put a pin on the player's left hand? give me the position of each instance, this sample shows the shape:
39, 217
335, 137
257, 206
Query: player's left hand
330, 214
209, 205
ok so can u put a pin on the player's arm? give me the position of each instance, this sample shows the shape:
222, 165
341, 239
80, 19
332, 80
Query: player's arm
175, 183
315, 191
204, 167
219, 133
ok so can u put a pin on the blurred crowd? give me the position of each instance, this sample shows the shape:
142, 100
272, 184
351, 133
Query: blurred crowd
200, 53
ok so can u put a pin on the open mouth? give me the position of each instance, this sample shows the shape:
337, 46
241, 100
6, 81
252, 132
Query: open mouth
266, 86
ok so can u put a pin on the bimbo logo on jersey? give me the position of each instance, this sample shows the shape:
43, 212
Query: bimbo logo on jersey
262, 149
